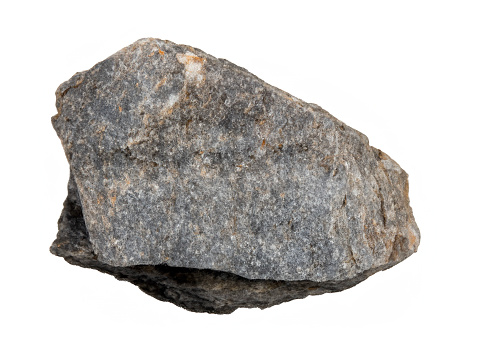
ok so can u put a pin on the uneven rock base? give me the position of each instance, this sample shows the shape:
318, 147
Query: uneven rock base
197, 290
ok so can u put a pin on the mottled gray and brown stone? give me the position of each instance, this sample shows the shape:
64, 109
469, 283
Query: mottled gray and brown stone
208, 188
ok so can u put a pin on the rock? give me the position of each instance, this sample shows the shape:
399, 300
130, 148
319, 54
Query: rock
208, 188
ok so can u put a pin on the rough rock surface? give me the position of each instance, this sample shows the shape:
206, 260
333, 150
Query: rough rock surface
208, 188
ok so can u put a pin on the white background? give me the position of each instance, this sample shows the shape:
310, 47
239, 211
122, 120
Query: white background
405, 73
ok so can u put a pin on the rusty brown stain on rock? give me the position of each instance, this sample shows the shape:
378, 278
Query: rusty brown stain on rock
161, 83
188, 122
413, 241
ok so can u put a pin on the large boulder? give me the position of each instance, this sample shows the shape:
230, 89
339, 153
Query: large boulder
208, 188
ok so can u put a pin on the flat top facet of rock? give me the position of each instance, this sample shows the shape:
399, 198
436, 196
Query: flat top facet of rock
187, 160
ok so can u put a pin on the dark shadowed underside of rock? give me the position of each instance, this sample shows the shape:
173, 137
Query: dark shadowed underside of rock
208, 188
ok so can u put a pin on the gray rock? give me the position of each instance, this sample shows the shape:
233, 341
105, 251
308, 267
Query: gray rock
208, 188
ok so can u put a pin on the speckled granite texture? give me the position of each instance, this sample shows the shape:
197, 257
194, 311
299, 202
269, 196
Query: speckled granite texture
208, 188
